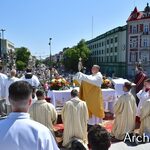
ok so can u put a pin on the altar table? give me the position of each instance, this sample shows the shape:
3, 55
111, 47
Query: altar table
58, 98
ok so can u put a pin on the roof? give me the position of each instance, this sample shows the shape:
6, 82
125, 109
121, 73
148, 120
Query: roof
108, 33
139, 15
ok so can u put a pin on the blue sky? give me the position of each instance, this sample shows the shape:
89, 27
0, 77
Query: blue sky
31, 23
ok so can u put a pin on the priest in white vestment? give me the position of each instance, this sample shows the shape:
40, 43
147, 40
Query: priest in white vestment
125, 113
95, 104
145, 117
32, 79
18, 131
74, 117
43, 112
9, 81
143, 95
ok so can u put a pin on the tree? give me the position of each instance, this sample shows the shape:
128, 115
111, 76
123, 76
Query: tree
71, 56
20, 65
22, 57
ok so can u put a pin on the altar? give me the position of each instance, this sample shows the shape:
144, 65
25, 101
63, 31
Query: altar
59, 97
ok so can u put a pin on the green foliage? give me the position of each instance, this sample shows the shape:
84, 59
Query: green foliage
72, 55
20, 65
22, 57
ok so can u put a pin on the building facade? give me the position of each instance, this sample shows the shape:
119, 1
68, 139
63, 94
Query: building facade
138, 52
7, 55
6, 46
109, 51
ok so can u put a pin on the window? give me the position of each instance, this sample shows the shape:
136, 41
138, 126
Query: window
111, 40
145, 43
116, 49
107, 50
134, 29
133, 56
102, 43
99, 44
111, 50
107, 41
115, 58
116, 39
107, 58
146, 28
111, 59
133, 42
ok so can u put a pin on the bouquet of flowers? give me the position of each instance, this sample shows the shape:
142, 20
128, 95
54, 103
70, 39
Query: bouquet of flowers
59, 84
106, 83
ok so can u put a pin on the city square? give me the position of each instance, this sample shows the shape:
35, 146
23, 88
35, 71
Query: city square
75, 75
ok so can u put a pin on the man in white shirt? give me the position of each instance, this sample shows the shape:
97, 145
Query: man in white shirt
3, 78
32, 79
9, 81
18, 131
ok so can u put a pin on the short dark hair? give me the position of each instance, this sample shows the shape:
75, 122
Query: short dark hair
28, 70
40, 93
20, 91
77, 145
74, 93
128, 85
99, 138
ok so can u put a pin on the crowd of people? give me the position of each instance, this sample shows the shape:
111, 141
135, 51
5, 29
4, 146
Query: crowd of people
30, 118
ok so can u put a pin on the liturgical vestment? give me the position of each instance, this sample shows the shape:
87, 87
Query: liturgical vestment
44, 113
125, 113
145, 118
75, 117
90, 92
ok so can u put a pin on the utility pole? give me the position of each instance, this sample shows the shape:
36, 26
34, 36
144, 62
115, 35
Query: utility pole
50, 55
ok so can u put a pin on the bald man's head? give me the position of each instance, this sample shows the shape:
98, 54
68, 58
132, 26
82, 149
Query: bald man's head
13, 73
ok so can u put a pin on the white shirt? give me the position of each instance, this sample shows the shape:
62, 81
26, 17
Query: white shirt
19, 132
3, 78
9, 81
34, 81
95, 79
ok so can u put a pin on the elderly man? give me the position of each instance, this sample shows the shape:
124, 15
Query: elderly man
9, 81
90, 91
75, 117
18, 131
43, 112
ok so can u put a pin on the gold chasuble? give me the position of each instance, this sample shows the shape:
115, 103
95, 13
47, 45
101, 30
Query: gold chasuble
92, 95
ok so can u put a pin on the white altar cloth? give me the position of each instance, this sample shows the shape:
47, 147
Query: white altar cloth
58, 98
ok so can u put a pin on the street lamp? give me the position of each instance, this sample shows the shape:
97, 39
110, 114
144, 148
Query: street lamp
1, 38
2, 30
50, 56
